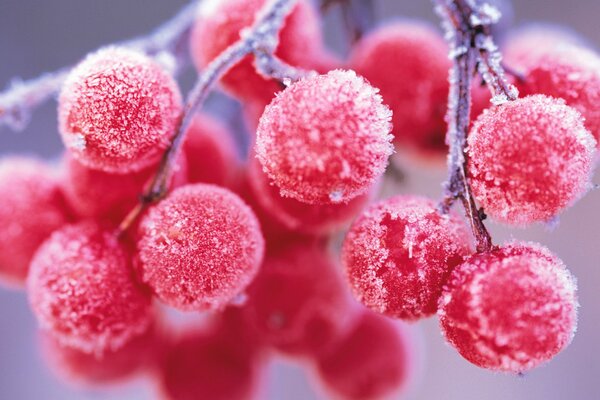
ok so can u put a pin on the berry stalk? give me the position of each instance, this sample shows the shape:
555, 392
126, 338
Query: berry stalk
168, 40
467, 24
261, 40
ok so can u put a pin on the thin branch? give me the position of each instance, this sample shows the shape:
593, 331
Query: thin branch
167, 43
467, 24
262, 37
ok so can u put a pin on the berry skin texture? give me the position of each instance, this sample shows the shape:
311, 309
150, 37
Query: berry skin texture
32, 208
510, 309
398, 254
200, 247
569, 72
82, 291
321, 219
408, 62
372, 362
118, 110
210, 152
529, 159
298, 303
219, 25
325, 139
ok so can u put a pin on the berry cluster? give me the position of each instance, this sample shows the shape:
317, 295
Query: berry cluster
152, 210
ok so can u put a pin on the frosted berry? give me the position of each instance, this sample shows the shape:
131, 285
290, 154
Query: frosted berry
82, 291
318, 219
220, 23
408, 62
372, 362
118, 110
398, 254
97, 194
210, 152
325, 139
529, 159
200, 247
32, 208
565, 71
202, 364
510, 309
78, 368
298, 303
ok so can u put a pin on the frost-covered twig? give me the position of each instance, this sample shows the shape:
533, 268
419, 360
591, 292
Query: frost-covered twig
168, 43
260, 38
467, 24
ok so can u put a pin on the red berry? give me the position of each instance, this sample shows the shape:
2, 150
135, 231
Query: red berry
298, 303
319, 219
398, 254
118, 110
569, 72
200, 247
408, 62
78, 368
372, 362
529, 159
82, 291
325, 139
108, 196
202, 364
32, 208
220, 24
510, 309
210, 152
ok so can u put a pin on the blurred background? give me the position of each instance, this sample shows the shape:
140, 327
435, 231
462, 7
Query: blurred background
39, 36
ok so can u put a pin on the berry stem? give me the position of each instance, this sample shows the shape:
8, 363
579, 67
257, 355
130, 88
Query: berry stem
22, 97
260, 39
472, 49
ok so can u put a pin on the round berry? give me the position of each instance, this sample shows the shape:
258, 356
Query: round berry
97, 194
398, 254
200, 247
201, 363
317, 219
372, 362
325, 139
82, 290
510, 309
298, 303
529, 159
210, 152
220, 23
32, 208
408, 61
118, 110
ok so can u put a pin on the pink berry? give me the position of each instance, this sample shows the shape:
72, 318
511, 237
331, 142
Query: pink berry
32, 208
200, 247
372, 362
82, 290
203, 364
325, 139
569, 72
298, 303
118, 110
78, 368
398, 254
510, 309
319, 219
210, 152
107, 196
529, 159
220, 24
408, 62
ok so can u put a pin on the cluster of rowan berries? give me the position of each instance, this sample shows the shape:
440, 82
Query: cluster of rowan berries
247, 241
